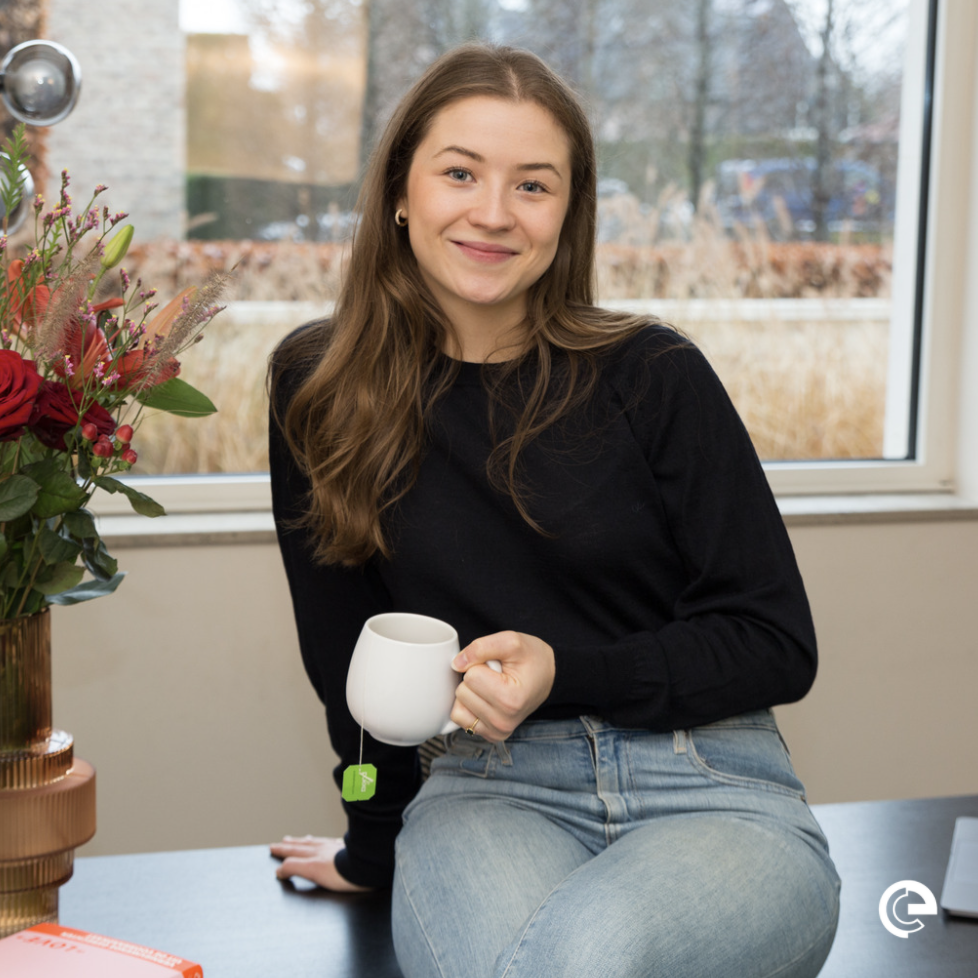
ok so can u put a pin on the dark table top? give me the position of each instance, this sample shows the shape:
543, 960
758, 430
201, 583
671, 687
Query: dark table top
874, 845
224, 908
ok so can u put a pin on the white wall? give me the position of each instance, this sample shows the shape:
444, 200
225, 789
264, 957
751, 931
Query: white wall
186, 692
128, 129
894, 710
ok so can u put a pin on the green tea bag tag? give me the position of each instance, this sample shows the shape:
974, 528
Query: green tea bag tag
359, 782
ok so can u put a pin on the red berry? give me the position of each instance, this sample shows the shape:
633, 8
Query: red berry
129, 456
103, 449
89, 431
124, 433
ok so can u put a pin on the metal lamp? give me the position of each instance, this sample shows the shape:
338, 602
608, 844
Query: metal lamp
39, 85
39, 82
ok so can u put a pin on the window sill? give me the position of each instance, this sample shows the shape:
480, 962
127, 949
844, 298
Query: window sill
257, 528
897, 507
187, 530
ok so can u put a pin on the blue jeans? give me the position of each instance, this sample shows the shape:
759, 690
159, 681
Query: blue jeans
582, 849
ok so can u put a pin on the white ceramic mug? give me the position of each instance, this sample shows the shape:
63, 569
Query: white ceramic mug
401, 685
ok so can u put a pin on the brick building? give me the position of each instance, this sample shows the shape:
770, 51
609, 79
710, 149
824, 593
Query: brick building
128, 129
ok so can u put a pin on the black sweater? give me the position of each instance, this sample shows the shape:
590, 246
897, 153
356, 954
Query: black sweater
666, 584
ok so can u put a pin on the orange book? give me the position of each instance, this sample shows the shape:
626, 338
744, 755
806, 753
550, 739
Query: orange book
53, 951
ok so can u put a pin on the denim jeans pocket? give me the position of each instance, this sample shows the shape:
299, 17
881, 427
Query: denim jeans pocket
745, 750
465, 754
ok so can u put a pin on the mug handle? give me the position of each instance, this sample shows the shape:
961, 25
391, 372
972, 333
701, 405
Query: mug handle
452, 726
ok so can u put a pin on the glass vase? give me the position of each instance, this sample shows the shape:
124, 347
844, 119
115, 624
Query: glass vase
47, 795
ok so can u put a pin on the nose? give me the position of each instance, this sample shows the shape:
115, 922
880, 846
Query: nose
491, 209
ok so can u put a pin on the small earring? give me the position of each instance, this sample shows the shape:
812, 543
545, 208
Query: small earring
400, 218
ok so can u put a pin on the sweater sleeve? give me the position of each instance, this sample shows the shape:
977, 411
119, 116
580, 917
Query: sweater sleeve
330, 604
740, 635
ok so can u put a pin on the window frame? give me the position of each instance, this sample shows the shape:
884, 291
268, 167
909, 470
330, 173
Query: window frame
937, 294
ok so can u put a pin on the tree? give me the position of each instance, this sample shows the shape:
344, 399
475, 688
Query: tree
854, 81
701, 97
821, 192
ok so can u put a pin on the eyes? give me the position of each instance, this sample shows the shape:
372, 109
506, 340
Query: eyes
458, 174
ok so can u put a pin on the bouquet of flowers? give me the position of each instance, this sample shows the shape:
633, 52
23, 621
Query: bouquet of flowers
83, 353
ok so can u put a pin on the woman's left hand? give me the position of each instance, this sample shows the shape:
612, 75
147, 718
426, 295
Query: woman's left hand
502, 701
313, 858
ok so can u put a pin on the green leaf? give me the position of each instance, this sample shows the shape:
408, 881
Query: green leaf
80, 525
42, 468
139, 501
88, 590
19, 529
98, 560
59, 491
17, 495
61, 577
176, 396
55, 548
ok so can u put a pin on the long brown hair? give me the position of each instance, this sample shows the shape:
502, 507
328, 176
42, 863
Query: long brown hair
356, 423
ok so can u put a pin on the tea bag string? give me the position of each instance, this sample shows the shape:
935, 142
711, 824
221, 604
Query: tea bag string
360, 780
363, 704
360, 760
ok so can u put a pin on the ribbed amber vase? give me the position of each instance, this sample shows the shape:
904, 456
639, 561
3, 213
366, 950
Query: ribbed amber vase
47, 796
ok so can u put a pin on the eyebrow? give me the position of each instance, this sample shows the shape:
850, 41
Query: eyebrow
472, 155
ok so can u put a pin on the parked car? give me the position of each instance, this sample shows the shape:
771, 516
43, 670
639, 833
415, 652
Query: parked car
329, 226
779, 195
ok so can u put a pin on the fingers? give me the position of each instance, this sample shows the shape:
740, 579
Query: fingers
284, 849
305, 867
322, 872
291, 845
472, 722
499, 646
502, 701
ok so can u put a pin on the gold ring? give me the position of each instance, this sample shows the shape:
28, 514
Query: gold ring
470, 730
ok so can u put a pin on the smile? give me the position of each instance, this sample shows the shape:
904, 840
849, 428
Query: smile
480, 251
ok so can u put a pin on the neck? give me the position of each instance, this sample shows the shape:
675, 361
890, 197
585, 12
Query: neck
484, 341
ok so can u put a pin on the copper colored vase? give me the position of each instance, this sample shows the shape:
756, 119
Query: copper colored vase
47, 795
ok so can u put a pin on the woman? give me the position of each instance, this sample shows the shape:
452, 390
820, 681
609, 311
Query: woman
471, 439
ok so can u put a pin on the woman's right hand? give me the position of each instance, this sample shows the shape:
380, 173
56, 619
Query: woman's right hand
314, 859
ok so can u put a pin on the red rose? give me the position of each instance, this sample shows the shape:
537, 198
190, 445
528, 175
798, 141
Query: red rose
19, 382
56, 412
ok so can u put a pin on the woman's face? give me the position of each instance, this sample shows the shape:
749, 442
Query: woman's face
487, 193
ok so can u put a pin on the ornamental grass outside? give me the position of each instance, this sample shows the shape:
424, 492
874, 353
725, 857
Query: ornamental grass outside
84, 354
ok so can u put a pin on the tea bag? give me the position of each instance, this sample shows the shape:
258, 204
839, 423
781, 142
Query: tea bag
359, 780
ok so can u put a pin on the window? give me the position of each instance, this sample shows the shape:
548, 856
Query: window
761, 174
